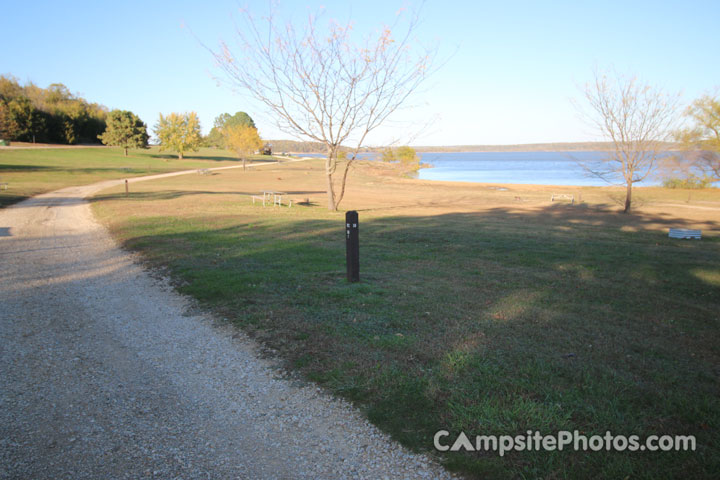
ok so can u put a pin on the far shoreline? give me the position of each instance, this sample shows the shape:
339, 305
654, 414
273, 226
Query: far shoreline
525, 147
531, 147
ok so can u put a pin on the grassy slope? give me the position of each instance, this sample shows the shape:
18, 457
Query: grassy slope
472, 314
34, 171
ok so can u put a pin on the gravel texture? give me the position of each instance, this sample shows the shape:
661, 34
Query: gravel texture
106, 372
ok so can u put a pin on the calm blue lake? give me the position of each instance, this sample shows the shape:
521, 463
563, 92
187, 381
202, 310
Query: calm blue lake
536, 168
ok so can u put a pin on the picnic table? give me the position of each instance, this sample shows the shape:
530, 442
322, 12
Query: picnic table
563, 196
268, 195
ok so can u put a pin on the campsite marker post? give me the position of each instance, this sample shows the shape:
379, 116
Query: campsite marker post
352, 246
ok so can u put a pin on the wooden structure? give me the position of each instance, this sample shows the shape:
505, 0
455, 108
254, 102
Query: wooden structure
270, 197
563, 196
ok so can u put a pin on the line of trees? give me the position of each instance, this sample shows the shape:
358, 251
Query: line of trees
180, 132
30, 113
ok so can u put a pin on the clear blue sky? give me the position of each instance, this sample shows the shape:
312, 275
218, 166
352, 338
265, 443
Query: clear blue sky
513, 65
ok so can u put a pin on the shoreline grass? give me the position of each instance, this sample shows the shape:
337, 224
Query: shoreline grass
33, 171
476, 314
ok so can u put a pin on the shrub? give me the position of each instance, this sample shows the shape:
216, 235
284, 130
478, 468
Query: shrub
691, 182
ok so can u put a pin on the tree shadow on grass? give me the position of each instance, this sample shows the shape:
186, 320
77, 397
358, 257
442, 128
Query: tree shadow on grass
166, 156
216, 158
493, 323
162, 195
172, 194
304, 192
5, 168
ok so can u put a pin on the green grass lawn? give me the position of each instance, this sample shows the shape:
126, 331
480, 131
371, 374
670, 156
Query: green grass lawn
34, 171
489, 322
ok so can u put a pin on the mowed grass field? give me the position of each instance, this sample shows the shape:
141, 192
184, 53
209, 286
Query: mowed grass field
30, 172
482, 308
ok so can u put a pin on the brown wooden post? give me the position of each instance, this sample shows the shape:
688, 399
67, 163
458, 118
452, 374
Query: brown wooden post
352, 246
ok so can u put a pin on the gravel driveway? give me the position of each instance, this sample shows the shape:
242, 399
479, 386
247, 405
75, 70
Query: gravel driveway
106, 372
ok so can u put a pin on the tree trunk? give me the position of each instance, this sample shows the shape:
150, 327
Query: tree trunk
341, 195
243, 164
126, 151
180, 156
628, 197
332, 206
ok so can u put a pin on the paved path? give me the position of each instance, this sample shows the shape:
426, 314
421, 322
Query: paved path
105, 372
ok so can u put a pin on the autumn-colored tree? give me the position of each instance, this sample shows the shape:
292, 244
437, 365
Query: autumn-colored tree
50, 114
637, 119
179, 132
241, 139
28, 121
322, 84
8, 125
701, 141
215, 138
406, 156
126, 130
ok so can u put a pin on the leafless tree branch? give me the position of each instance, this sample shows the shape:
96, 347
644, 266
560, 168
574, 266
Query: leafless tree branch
636, 118
323, 85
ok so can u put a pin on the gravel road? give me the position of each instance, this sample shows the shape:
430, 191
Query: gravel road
106, 372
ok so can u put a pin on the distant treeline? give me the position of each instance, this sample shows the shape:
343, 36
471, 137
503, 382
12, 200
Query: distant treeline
294, 146
48, 115
531, 147
316, 147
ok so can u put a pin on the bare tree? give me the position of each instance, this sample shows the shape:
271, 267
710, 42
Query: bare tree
326, 87
637, 119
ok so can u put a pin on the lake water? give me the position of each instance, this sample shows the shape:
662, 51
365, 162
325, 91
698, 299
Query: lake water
533, 168
536, 168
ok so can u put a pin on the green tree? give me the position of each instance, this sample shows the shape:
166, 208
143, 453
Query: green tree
27, 120
216, 138
8, 126
52, 114
701, 141
406, 156
9, 88
179, 132
66, 110
126, 130
242, 139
